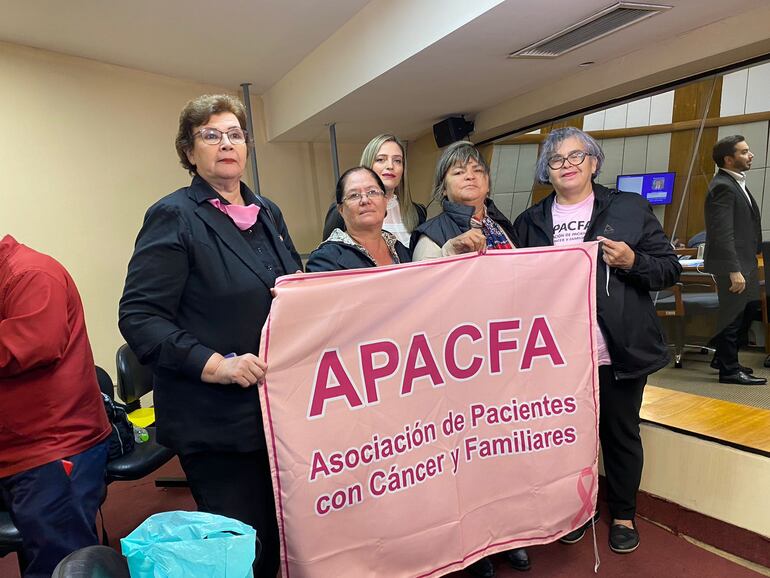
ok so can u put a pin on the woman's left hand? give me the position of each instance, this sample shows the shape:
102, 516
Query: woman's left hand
617, 253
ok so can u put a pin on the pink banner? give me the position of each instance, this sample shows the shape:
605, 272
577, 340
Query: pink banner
421, 416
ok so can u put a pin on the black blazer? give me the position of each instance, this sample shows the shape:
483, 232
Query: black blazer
195, 286
733, 228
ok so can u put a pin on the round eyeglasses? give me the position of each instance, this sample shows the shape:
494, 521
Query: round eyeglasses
356, 197
575, 158
213, 136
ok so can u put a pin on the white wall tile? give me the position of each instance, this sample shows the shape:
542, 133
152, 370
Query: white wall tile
505, 161
594, 121
765, 204
638, 113
525, 173
756, 136
634, 155
613, 160
758, 89
521, 202
615, 117
755, 181
504, 202
662, 108
658, 152
734, 93
660, 212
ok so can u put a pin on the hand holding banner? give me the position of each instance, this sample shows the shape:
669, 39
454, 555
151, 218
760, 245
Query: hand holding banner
421, 416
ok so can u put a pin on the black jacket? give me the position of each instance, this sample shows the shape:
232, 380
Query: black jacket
196, 286
733, 229
626, 316
455, 219
334, 219
337, 255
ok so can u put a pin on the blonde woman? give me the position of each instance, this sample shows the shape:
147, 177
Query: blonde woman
386, 155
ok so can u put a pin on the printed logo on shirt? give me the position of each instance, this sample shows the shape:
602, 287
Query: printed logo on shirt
608, 229
570, 231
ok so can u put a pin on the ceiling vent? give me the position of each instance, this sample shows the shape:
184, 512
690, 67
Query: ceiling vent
607, 21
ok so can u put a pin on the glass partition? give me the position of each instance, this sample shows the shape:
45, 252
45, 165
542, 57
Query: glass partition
660, 146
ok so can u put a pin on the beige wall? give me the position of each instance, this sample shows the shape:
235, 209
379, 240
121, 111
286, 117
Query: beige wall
91, 147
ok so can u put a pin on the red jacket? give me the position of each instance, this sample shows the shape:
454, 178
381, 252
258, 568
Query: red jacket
50, 405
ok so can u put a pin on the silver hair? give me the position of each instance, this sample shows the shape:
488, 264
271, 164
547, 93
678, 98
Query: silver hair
459, 153
552, 142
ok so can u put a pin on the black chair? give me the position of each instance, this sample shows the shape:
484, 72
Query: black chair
134, 381
92, 562
145, 458
10, 537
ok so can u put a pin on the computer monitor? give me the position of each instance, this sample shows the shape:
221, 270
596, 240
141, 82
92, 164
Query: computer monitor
657, 188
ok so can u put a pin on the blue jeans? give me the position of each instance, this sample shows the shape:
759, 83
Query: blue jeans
56, 513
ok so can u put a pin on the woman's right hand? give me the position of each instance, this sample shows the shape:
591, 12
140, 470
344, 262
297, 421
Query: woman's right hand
472, 241
244, 370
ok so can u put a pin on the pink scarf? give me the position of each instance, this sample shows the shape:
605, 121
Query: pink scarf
244, 217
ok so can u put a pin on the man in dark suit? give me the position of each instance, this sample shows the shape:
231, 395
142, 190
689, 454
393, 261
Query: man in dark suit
733, 239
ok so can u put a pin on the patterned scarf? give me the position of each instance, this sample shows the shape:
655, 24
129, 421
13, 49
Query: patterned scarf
496, 238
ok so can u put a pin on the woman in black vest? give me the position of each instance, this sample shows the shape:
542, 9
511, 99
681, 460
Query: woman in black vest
470, 222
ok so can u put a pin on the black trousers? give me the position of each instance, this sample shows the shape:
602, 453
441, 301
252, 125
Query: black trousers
238, 485
733, 321
620, 401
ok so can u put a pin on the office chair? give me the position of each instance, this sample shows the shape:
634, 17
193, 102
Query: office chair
10, 537
145, 457
134, 381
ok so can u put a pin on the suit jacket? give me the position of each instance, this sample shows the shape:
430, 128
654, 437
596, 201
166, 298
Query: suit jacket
733, 228
195, 286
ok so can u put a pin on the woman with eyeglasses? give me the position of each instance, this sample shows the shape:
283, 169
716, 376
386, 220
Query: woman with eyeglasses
196, 295
386, 155
361, 203
637, 258
470, 222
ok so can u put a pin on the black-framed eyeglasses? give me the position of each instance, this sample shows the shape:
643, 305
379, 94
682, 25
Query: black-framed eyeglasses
356, 197
575, 158
213, 136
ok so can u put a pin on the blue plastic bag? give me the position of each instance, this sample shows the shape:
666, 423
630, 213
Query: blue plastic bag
190, 545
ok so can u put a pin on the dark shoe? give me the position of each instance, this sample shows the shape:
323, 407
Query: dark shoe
623, 540
576, 535
741, 378
519, 559
767, 361
718, 366
483, 568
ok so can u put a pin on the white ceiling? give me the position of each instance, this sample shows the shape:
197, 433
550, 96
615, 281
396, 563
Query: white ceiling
224, 42
230, 42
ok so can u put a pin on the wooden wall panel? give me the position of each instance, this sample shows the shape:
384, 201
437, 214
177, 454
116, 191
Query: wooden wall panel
689, 104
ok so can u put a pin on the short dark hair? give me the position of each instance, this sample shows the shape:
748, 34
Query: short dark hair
341, 182
198, 112
725, 147
458, 153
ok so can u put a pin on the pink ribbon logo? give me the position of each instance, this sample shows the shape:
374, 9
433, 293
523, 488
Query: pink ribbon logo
585, 489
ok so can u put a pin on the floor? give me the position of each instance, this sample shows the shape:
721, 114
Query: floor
698, 378
661, 554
